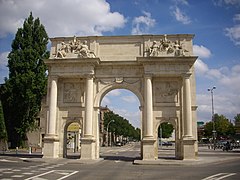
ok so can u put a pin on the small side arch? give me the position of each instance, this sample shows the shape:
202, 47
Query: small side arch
66, 125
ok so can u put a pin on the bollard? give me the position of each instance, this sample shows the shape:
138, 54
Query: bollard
16, 150
30, 150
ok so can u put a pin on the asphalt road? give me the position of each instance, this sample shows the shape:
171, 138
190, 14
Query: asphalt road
118, 164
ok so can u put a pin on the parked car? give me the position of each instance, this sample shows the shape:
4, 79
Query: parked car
118, 143
168, 143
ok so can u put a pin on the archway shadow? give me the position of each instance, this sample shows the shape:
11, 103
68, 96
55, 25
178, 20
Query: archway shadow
120, 158
73, 157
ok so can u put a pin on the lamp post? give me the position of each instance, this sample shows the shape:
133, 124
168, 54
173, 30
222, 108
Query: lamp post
213, 120
107, 130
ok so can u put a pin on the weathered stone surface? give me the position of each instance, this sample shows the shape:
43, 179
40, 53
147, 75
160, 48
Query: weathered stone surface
158, 69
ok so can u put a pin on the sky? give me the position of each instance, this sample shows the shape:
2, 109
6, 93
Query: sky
215, 23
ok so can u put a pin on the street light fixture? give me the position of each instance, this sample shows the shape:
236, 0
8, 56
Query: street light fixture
107, 130
213, 120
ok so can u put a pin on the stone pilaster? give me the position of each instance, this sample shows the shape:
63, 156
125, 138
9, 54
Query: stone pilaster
187, 107
51, 140
88, 127
88, 141
188, 149
148, 107
148, 140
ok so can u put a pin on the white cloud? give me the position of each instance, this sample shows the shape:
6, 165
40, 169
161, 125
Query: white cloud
227, 104
234, 34
200, 67
133, 117
183, 2
226, 96
231, 80
181, 16
115, 92
201, 51
3, 59
60, 17
226, 2
105, 101
236, 17
129, 99
3, 66
232, 2
142, 24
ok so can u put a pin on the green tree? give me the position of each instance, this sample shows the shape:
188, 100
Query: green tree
167, 130
223, 127
3, 130
237, 118
120, 126
208, 128
237, 125
26, 86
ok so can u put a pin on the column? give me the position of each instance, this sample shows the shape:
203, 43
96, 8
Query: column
88, 146
51, 141
52, 107
148, 107
89, 107
147, 148
187, 107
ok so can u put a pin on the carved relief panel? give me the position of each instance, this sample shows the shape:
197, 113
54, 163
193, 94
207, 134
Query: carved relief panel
166, 91
72, 92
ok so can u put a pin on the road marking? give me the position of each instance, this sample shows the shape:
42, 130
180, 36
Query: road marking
74, 172
219, 176
17, 176
5, 160
61, 172
40, 175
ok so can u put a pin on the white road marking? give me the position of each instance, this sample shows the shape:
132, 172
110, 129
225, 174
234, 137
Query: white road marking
17, 176
74, 172
219, 176
39, 175
5, 160
62, 172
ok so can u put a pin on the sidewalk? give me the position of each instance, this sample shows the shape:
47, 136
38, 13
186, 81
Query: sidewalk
205, 156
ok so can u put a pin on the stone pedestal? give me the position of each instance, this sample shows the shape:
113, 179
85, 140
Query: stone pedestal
148, 149
189, 149
87, 149
51, 147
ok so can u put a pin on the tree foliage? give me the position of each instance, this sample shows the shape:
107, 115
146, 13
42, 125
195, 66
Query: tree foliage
26, 86
3, 130
223, 127
237, 118
120, 126
166, 129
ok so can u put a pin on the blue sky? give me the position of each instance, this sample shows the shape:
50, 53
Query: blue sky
215, 23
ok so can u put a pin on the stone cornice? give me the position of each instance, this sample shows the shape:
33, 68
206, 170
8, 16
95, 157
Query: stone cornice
69, 61
167, 59
147, 36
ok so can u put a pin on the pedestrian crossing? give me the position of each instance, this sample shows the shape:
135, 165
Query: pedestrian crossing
41, 171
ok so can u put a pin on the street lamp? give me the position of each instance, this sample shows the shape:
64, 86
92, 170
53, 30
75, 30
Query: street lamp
107, 130
213, 121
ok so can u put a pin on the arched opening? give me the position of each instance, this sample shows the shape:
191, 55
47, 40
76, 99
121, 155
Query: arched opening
120, 124
72, 145
166, 141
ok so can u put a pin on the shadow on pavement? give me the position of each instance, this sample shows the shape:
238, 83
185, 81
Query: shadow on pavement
23, 155
73, 157
120, 158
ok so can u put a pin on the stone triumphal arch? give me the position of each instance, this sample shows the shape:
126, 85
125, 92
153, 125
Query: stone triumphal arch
158, 69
